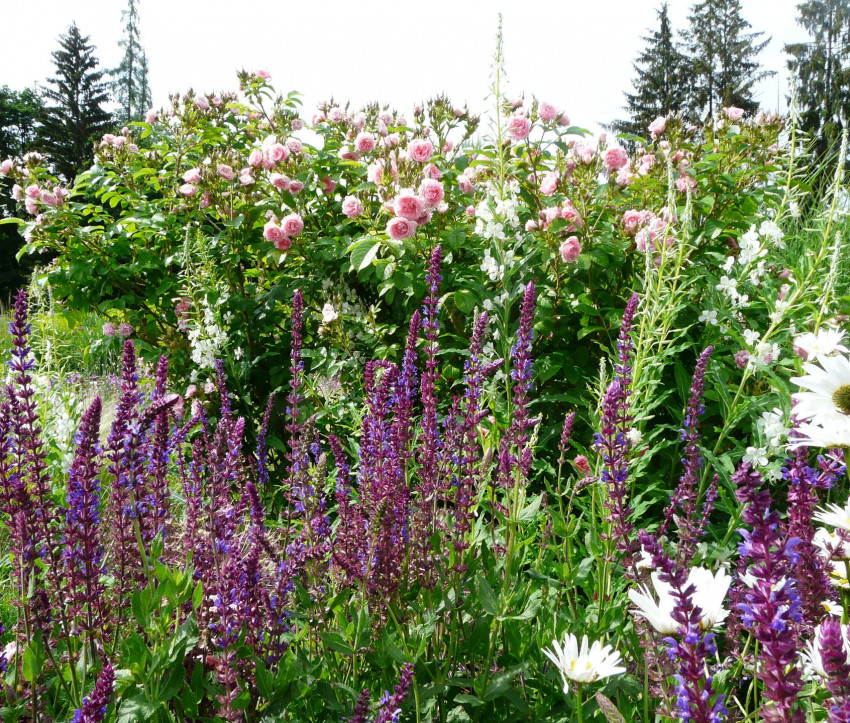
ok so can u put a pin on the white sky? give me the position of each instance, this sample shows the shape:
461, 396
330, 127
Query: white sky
575, 54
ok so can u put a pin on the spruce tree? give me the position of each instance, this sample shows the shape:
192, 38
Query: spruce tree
662, 81
74, 117
723, 58
822, 70
131, 88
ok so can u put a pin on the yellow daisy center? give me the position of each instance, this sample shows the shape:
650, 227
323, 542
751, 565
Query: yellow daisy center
841, 398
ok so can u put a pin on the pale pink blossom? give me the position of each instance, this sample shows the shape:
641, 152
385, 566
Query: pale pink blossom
531, 225
632, 219
400, 228
615, 159
31, 205
292, 224
659, 125
424, 217
733, 113
294, 145
283, 244
125, 329
431, 191
132, 148
206, 200
272, 232
571, 215
202, 102
624, 177
686, 183
255, 158
570, 250
246, 178
49, 199
420, 150
193, 175
118, 141
448, 146
374, 173
518, 127
109, 329
583, 153
470, 211
216, 101
297, 124
408, 205
188, 189
328, 184
335, 115
5, 167
365, 142
264, 74
549, 183
280, 181
563, 119
33, 191
150, 117
226, 172
431, 171
296, 186
464, 183
346, 154
351, 206
278, 152
392, 140
17, 192
547, 112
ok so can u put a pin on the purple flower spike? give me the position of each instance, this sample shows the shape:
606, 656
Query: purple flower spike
390, 704
836, 665
95, 705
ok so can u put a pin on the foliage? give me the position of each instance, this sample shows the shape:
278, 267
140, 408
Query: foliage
74, 116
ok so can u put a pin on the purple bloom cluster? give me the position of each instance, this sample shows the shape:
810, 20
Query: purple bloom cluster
771, 608
95, 705
836, 664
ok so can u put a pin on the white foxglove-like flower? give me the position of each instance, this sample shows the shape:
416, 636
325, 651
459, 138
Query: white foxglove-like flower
710, 591
819, 344
583, 665
826, 404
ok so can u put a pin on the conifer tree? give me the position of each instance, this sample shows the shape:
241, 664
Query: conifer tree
130, 85
662, 82
74, 117
723, 58
822, 70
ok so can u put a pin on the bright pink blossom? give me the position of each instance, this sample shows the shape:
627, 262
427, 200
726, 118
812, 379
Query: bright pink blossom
431, 171
33, 191
328, 184
615, 159
631, 220
296, 186
272, 232
283, 244
400, 228
518, 127
278, 152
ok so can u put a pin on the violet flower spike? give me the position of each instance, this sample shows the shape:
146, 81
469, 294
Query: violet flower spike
95, 705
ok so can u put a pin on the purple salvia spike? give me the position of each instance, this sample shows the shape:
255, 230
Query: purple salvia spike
390, 705
835, 657
684, 503
350, 541
406, 389
221, 379
566, 434
95, 705
361, 708
770, 607
262, 448
161, 377
294, 398
83, 551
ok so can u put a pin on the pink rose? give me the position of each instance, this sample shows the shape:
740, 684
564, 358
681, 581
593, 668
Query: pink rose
296, 186
346, 154
31, 205
686, 183
118, 141
278, 152
431, 171
420, 150
549, 184
365, 142
216, 101
245, 178
5, 167
570, 250
570, 214
659, 125
400, 228
226, 172
125, 329
296, 125
563, 119
272, 232
448, 146
584, 154
374, 173
464, 183
392, 140
48, 199
206, 200
17, 192
280, 181
255, 158
351, 206
294, 145
624, 177
424, 217
283, 244
470, 211
547, 112
335, 115
581, 463
733, 113
193, 175
202, 102
109, 329
33, 191
150, 117
615, 159
631, 220
518, 127
741, 358
264, 74
132, 148
292, 224
187, 189
431, 191
328, 184
409, 206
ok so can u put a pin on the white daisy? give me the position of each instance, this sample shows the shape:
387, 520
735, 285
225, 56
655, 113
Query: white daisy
835, 516
816, 345
836, 553
834, 433
708, 597
827, 403
583, 665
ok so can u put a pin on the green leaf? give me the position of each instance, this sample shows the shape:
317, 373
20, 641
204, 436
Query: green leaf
363, 252
488, 598
136, 708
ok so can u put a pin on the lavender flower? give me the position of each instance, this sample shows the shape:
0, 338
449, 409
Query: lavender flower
390, 704
836, 664
95, 705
